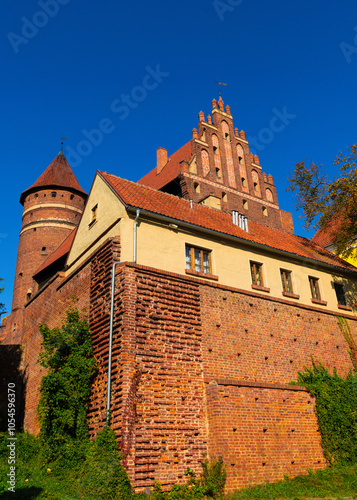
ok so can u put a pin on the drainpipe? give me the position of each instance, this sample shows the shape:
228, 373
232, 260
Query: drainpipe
135, 233
112, 317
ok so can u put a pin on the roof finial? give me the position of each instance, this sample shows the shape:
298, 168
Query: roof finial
62, 139
219, 87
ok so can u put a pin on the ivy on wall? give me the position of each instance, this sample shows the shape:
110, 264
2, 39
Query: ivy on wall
336, 409
65, 389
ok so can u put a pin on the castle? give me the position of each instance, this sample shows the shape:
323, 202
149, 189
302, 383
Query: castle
216, 305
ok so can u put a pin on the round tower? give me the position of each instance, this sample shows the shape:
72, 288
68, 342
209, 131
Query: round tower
53, 206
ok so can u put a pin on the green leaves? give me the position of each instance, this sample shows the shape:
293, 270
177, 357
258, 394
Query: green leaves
327, 203
65, 390
336, 404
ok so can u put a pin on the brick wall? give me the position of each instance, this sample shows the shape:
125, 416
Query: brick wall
197, 367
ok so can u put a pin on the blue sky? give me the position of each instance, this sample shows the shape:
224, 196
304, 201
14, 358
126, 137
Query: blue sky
68, 71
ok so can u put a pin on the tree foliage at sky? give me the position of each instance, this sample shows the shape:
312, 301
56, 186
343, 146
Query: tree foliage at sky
326, 203
2, 306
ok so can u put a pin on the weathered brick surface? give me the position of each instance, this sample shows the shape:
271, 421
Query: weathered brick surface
170, 434
251, 348
262, 434
196, 368
248, 337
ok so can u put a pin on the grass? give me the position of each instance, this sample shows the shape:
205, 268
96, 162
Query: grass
36, 479
336, 482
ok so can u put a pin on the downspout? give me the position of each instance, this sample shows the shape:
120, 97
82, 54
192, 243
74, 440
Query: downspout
112, 317
135, 233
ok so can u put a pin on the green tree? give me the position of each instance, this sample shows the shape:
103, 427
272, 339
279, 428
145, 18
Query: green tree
65, 389
329, 203
2, 306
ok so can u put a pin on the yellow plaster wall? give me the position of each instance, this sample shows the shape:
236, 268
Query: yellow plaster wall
164, 248
109, 210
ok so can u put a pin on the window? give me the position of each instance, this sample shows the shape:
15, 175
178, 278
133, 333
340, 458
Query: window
340, 294
244, 182
245, 204
198, 259
224, 197
53, 194
94, 215
256, 270
286, 281
218, 173
72, 196
196, 187
314, 287
265, 211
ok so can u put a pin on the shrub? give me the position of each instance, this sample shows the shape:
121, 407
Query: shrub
336, 408
65, 390
104, 476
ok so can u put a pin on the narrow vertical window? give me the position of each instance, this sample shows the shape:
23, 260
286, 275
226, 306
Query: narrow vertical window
94, 215
256, 270
340, 294
286, 281
314, 287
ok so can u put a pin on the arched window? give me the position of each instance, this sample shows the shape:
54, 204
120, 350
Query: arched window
229, 156
205, 162
256, 185
225, 130
217, 156
242, 170
269, 195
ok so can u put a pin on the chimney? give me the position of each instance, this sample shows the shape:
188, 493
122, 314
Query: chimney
161, 159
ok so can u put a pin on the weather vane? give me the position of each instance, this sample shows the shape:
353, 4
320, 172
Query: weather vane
219, 87
62, 139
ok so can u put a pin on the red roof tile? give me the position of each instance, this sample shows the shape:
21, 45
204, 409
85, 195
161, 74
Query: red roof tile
146, 198
57, 174
324, 236
61, 251
170, 171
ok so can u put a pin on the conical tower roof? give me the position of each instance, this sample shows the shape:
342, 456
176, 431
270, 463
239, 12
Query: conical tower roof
57, 175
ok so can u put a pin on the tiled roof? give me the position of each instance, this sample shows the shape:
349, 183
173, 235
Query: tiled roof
324, 236
61, 251
57, 174
136, 195
170, 171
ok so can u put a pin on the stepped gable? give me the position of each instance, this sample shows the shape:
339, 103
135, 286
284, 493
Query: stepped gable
170, 171
58, 174
59, 253
138, 196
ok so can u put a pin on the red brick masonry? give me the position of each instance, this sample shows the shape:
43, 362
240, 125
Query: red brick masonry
197, 368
